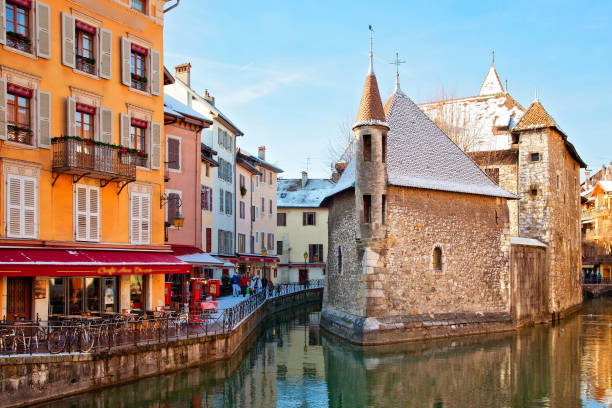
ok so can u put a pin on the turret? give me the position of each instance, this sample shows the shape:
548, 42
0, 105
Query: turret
370, 160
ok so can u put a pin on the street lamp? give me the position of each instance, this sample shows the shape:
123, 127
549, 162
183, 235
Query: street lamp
306, 264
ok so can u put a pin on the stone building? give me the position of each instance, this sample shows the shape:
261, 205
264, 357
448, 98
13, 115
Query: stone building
525, 152
419, 239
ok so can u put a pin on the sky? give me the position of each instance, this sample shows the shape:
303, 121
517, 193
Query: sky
289, 74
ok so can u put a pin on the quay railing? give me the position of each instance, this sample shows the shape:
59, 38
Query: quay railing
95, 334
593, 280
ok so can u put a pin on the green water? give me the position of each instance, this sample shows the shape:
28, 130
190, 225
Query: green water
294, 364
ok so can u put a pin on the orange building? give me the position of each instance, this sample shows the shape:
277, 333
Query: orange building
81, 147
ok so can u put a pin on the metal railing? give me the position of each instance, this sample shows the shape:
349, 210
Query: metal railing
84, 156
19, 43
593, 280
112, 331
141, 86
20, 136
83, 65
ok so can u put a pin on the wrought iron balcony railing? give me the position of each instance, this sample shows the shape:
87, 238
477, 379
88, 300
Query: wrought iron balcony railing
83, 65
21, 44
141, 86
85, 158
20, 136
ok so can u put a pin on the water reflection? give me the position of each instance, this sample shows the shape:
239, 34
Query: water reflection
294, 364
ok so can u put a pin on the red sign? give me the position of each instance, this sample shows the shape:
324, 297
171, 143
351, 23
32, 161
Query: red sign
85, 27
138, 123
81, 107
140, 50
19, 90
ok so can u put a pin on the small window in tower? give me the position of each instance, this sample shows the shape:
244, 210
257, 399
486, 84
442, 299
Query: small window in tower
437, 258
534, 191
384, 209
558, 182
367, 208
534, 156
384, 148
367, 147
340, 260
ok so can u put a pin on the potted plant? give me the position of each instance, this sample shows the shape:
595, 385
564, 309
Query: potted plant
243, 191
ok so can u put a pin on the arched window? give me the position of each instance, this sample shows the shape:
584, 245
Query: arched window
339, 260
437, 258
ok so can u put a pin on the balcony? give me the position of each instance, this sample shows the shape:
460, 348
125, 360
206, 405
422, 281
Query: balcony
18, 41
20, 136
595, 213
84, 158
87, 65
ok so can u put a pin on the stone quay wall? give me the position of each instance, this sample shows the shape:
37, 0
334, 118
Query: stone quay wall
31, 379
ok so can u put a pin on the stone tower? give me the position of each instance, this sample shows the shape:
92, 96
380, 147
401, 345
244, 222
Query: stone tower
370, 163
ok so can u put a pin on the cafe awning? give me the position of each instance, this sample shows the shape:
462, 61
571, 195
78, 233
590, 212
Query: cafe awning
87, 262
196, 256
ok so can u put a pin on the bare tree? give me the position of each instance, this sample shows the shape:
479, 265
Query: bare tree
340, 147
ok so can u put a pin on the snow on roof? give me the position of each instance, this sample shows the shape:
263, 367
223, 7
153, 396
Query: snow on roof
257, 161
422, 156
180, 109
606, 184
491, 84
291, 194
526, 241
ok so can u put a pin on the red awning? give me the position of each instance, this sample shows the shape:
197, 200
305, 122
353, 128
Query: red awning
80, 262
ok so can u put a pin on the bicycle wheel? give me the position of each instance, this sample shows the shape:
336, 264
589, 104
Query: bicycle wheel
86, 340
56, 341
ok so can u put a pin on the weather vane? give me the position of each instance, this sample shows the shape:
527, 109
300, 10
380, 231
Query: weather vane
397, 63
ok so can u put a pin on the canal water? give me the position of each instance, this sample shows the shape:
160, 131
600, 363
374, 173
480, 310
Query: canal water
292, 363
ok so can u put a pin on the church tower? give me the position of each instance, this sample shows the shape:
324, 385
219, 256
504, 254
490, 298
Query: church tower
370, 162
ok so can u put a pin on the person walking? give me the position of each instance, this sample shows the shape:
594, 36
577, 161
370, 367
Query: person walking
598, 277
252, 285
264, 282
235, 284
258, 285
243, 285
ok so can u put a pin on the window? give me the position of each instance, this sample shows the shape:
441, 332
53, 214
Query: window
229, 205
270, 174
137, 292
242, 210
84, 123
493, 174
384, 148
271, 207
172, 206
263, 205
138, 68
241, 248
18, 26
384, 209
138, 135
206, 202
534, 157
252, 213
534, 191
209, 240
340, 260
139, 5
225, 171
263, 240
367, 209
242, 181
367, 147
279, 247
85, 51
437, 258
252, 244
558, 182
140, 218
221, 200
87, 213
18, 114
281, 219
173, 153
270, 242
315, 253
309, 218
21, 206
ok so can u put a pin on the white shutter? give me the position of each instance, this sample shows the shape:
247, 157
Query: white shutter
155, 151
21, 206
70, 117
43, 30
106, 53
145, 219
94, 214
2, 22
106, 125
135, 218
68, 40
125, 130
44, 119
126, 61
29, 207
81, 212
13, 206
155, 80
3, 131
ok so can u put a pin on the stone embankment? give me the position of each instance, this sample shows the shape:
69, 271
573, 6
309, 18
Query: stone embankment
28, 379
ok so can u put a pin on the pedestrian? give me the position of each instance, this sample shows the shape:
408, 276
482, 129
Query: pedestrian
264, 282
243, 285
598, 277
236, 285
252, 285
258, 285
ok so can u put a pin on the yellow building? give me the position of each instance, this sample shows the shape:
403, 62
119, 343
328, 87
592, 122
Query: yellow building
81, 145
302, 229
597, 231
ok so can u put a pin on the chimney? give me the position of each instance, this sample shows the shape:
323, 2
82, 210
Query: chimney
209, 98
335, 177
261, 152
183, 72
340, 167
587, 179
304, 179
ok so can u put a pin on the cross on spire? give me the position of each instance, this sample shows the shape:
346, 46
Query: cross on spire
371, 52
397, 64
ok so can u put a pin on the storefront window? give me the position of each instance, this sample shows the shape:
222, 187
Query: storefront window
178, 290
93, 294
75, 295
137, 292
57, 296
110, 298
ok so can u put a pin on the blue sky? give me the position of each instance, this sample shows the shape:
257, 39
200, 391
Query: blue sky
288, 73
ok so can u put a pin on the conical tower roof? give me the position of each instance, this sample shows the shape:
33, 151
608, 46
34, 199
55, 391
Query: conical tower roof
536, 117
491, 84
371, 110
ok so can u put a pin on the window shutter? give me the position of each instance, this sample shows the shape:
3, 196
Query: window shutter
44, 119
106, 125
2, 22
94, 214
310, 252
126, 62
13, 210
208, 240
145, 219
3, 130
155, 151
70, 117
43, 30
172, 207
210, 198
314, 218
81, 213
29, 207
21, 207
125, 130
303, 218
68, 40
135, 218
106, 53
155, 59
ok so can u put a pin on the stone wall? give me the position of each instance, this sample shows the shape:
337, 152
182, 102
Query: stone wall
29, 379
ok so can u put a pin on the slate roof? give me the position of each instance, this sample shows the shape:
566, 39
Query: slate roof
257, 161
179, 109
291, 194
